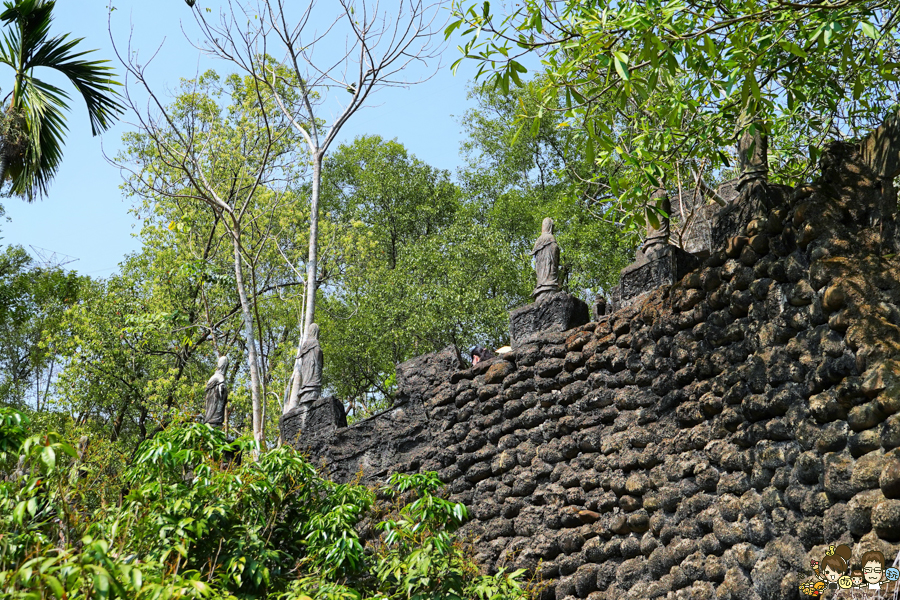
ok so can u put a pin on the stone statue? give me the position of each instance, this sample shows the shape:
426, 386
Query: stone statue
599, 308
216, 395
311, 366
657, 237
753, 156
546, 263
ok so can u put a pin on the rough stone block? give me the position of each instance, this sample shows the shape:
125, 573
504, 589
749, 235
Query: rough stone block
880, 150
418, 376
315, 418
560, 312
664, 266
886, 519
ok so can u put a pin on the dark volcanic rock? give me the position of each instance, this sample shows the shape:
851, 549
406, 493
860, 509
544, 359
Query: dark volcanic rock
320, 418
417, 377
560, 312
663, 267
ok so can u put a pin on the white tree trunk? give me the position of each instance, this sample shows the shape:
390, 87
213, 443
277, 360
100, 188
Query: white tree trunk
311, 268
250, 339
312, 264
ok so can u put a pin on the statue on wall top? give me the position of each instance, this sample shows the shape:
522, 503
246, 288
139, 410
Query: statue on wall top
546, 263
216, 395
658, 237
753, 156
311, 366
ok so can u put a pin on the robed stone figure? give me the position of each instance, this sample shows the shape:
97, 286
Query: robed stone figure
658, 237
546, 263
311, 362
216, 395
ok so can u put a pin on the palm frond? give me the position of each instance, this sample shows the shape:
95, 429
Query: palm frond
26, 45
93, 79
46, 123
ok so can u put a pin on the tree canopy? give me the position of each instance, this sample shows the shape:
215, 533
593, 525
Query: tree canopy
646, 83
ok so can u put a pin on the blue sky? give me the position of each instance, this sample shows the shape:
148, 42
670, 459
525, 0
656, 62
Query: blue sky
85, 214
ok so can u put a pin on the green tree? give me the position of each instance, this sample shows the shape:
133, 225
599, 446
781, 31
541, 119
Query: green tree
411, 269
33, 126
684, 80
418, 262
194, 523
126, 367
378, 46
33, 301
225, 147
521, 175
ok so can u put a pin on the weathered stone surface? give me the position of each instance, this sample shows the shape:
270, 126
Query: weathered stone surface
498, 371
880, 150
318, 418
665, 266
867, 470
889, 478
417, 377
559, 312
886, 519
858, 515
882, 377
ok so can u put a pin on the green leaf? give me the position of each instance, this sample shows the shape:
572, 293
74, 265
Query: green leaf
709, 46
451, 28
793, 48
48, 457
620, 60
828, 33
55, 585
869, 30
514, 73
68, 449
137, 579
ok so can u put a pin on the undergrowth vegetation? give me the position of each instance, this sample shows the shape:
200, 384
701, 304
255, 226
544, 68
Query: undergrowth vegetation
187, 518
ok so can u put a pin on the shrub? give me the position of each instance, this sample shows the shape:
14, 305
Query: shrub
195, 521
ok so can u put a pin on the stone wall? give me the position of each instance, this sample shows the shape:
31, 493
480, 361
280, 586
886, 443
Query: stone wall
704, 443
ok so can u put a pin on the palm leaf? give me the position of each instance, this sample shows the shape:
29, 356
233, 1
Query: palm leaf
46, 124
91, 78
27, 45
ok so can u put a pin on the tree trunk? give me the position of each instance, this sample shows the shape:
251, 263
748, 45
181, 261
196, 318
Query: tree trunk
312, 266
4, 164
311, 276
250, 338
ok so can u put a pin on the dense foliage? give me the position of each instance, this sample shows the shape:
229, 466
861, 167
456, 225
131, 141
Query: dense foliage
33, 299
409, 261
193, 520
406, 259
652, 84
